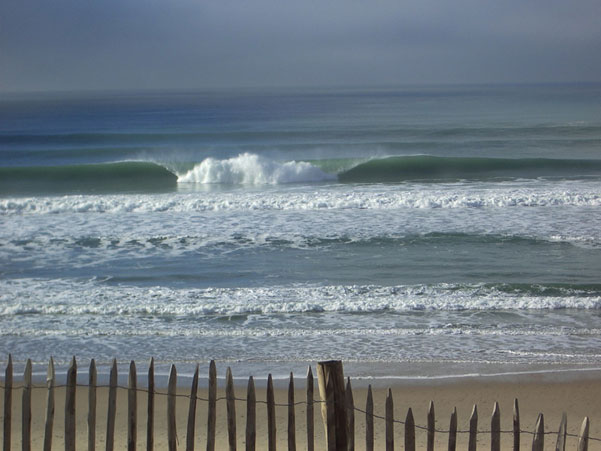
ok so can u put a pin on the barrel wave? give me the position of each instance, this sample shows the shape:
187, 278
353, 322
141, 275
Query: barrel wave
432, 168
128, 176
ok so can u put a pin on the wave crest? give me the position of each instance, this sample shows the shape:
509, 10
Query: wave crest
252, 169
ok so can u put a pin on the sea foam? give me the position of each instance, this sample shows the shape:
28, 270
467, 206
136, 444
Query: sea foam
251, 169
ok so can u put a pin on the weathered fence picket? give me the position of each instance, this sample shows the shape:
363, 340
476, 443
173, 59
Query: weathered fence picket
562, 434
251, 415
310, 412
431, 427
191, 428
132, 408
369, 421
26, 409
516, 425
453, 431
495, 429
112, 408
92, 382
212, 407
231, 409
171, 399
390, 422
583, 436
150, 408
409, 431
271, 431
473, 438
8, 396
350, 415
70, 406
291, 416
538, 441
49, 424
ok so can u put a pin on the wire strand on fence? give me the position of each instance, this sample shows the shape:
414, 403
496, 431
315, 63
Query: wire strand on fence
297, 403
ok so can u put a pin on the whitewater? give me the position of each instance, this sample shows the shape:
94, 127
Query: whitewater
454, 227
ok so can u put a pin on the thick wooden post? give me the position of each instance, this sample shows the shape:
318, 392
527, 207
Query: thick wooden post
473, 440
583, 435
310, 412
453, 431
369, 421
562, 434
92, 382
331, 388
538, 442
350, 413
431, 427
231, 409
251, 415
516, 425
26, 409
390, 422
50, 376
171, 425
70, 407
112, 408
212, 408
191, 429
409, 431
8, 396
132, 408
291, 416
150, 410
271, 431
495, 429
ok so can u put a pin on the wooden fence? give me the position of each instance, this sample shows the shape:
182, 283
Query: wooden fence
337, 407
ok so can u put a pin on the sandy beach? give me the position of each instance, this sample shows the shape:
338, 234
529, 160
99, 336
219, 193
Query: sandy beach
577, 396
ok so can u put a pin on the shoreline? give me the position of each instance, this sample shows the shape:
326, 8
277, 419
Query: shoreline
362, 374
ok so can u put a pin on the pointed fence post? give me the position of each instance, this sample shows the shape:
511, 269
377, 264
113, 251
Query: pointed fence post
453, 431
50, 376
171, 425
291, 416
70, 406
8, 396
562, 434
350, 413
112, 408
26, 409
369, 421
473, 440
271, 431
583, 436
231, 409
251, 415
409, 431
431, 427
132, 408
92, 382
390, 422
331, 388
538, 442
191, 429
495, 429
150, 409
310, 412
212, 408
516, 425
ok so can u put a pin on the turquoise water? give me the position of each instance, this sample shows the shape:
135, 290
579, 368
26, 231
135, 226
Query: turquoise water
450, 225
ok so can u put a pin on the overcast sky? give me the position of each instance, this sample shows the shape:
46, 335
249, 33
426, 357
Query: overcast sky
206, 44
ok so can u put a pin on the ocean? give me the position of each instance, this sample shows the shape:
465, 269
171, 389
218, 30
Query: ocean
418, 231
